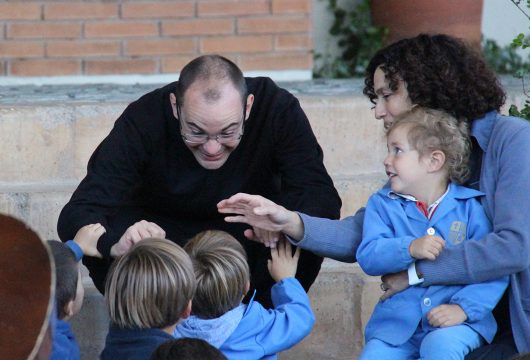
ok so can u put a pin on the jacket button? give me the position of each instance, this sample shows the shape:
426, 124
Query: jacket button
427, 302
431, 231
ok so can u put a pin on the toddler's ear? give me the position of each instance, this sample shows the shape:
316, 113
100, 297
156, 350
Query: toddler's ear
436, 160
187, 312
69, 309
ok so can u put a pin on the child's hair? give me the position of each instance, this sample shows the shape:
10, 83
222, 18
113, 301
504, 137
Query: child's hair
187, 349
430, 130
150, 286
66, 275
222, 273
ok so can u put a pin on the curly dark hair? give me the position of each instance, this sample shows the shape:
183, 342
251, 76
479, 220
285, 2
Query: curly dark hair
441, 72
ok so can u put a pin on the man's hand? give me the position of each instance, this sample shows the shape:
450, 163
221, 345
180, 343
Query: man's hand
135, 233
446, 315
283, 263
262, 214
87, 238
427, 247
394, 283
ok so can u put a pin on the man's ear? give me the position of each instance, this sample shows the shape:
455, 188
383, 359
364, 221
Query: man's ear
436, 160
187, 312
248, 107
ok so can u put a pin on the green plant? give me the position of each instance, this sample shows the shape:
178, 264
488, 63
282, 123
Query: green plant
504, 60
358, 38
521, 41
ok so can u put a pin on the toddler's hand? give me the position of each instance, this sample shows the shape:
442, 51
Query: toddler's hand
446, 315
283, 263
87, 238
427, 247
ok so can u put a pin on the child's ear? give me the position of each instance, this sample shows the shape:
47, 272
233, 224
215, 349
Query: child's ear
187, 312
436, 160
247, 288
69, 309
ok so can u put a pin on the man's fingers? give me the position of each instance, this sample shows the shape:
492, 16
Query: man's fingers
249, 234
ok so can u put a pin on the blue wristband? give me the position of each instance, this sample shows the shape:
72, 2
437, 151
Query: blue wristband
76, 249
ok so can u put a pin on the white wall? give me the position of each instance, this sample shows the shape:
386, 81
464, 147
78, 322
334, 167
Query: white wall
502, 20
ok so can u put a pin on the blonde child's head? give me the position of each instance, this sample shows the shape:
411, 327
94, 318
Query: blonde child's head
151, 286
429, 130
221, 270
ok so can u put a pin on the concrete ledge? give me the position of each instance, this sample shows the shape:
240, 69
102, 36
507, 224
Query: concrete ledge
49, 132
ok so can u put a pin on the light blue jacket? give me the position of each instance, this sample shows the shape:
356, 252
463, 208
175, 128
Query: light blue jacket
252, 332
391, 223
504, 178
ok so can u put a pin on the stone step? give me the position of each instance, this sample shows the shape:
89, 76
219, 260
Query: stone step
49, 132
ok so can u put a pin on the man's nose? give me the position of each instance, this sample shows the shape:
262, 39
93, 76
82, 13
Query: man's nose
211, 146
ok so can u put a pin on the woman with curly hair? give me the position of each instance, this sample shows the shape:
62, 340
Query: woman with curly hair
443, 73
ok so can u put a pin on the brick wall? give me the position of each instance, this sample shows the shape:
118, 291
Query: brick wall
104, 37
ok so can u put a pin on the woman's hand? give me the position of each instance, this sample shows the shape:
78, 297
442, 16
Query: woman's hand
267, 218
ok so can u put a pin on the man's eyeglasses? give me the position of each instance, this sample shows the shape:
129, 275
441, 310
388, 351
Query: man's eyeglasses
200, 138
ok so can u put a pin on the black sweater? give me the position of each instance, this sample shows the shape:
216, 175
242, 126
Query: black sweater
144, 163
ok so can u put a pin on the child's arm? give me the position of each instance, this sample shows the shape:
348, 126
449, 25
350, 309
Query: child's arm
381, 251
292, 318
283, 263
86, 240
446, 315
426, 247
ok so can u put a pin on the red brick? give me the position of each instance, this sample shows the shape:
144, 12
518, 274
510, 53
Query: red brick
160, 46
293, 42
125, 66
43, 30
268, 25
10, 11
45, 67
120, 29
277, 61
230, 44
80, 11
158, 9
173, 64
82, 48
198, 27
21, 49
291, 6
233, 8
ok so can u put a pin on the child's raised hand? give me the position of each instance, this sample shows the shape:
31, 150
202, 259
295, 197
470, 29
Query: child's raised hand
87, 238
283, 263
446, 315
427, 247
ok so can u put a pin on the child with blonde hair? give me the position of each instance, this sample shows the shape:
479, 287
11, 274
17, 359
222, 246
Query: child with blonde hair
148, 291
422, 210
239, 330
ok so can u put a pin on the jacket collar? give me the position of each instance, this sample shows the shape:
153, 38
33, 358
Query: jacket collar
482, 128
